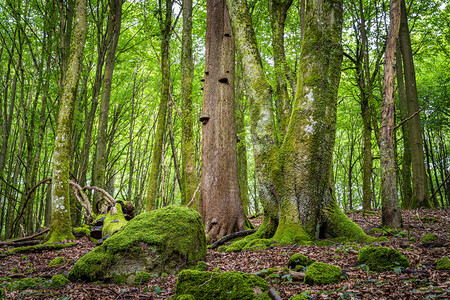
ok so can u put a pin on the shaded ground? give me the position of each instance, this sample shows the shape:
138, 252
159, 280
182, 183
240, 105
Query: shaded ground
422, 282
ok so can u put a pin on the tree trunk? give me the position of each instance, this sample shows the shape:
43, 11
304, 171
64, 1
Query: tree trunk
189, 178
60, 228
101, 156
220, 203
420, 197
391, 213
155, 168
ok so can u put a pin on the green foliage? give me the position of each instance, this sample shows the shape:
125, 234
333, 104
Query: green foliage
443, 263
27, 283
303, 296
429, 237
57, 261
382, 258
320, 273
228, 285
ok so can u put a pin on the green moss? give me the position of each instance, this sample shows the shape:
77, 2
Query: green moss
27, 283
299, 260
427, 219
82, 230
258, 244
163, 240
59, 281
114, 223
382, 258
321, 273
57, 261
443, 263
413, 240
228, 285
42, 247
24, 257
217, 270
30, 270
201, 266
303, 296
430, 237
289, 232
14, 270
142, 278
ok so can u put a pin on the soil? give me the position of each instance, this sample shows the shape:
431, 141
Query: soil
421, 281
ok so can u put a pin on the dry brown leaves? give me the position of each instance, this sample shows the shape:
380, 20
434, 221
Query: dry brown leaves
423, 282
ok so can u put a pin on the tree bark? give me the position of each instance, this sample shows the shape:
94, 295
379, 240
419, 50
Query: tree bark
420, 196
220, 202
391, 213
60, 228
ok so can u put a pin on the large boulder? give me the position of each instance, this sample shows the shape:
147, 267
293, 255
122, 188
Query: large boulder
382, 258
161, 241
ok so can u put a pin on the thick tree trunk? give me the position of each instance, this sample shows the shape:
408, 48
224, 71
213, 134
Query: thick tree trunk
158, 146
60, 228
189, 177
391, 213
101, 154
420, 197
220, 203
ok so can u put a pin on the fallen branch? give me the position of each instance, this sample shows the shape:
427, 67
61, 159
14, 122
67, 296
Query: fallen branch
231, 237
274, 295
30, 237
108, 197
77, 190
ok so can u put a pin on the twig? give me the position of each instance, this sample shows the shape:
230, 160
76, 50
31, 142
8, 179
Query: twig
207, 280
231, 237
107, 195
30, 237
193, 197
407, 119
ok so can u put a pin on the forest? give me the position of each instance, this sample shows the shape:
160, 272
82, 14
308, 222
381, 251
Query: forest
249, 141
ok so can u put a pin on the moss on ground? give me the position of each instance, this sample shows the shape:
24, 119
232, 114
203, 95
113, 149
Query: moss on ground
201, 266
57, 261
258, 244
142, 278
41, 247
59, 281
227, 285
299, 260
443, 263
429, 237
382, 258
320, 273
163, 240
82, 230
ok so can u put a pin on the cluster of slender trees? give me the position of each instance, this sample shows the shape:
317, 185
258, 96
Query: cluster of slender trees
222, 115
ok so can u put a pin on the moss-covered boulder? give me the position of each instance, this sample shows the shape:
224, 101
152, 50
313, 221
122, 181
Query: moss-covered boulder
193, 284
57, 261
320, 273
382, 258
429, 237
142, 278
161, 241
443, 263
299, 260
59, 281
113, 222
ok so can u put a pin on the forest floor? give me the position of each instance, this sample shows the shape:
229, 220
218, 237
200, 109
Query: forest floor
421, 281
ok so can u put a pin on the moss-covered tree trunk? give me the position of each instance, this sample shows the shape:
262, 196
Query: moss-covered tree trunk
189, 177
220, 203
155, 167
101, 156
391, 214
295, 184
420, 196
60, 228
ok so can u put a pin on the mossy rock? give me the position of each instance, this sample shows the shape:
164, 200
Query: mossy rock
265, 273
142, 278
201, 266
59, 281
429, 237
227, 285
82, 231
163, 240
443, 263
57, 261
299, 260
320, 273
382, 258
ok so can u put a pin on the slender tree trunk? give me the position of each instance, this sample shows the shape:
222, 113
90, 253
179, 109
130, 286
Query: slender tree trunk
391, 213
101, 155
420, 197
60, 228
189, 178
155, 168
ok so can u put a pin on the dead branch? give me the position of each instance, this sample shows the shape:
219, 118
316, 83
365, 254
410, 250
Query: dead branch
274, 295
108, 197
77, 190
407, 119
231, 237
30, 237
